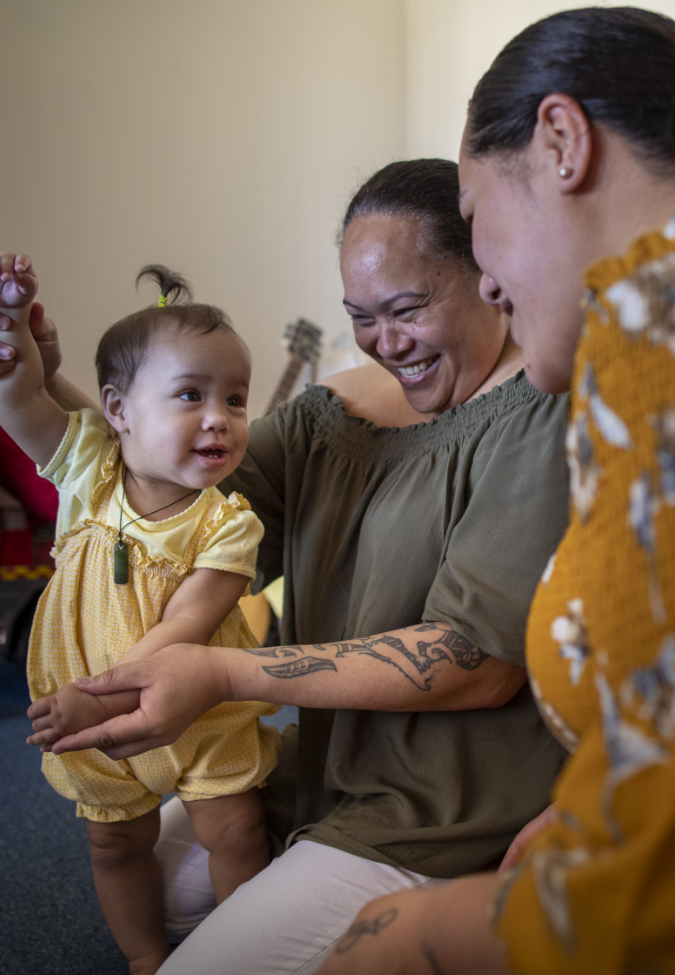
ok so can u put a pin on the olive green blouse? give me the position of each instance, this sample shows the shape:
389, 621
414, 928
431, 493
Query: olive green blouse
376, 528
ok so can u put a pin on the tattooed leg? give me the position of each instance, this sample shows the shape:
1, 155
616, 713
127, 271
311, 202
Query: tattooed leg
371, 927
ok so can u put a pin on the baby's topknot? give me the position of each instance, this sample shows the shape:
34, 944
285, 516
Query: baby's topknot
172, 286
123, 347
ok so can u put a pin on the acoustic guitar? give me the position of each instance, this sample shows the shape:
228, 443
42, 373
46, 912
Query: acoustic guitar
302, 339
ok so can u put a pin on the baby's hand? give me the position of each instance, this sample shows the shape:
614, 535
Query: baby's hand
71, 710
18, 283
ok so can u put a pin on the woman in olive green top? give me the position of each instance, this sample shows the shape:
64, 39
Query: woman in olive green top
411, 509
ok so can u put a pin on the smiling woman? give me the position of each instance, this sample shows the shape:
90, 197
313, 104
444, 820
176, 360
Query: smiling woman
568, 176
411, 289
411, 506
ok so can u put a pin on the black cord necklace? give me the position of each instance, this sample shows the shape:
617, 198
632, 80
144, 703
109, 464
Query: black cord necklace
120, 548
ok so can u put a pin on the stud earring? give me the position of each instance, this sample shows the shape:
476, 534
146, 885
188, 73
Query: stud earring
564, 172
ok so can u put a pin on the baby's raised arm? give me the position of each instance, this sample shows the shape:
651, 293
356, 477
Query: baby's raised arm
28, 414
192, 615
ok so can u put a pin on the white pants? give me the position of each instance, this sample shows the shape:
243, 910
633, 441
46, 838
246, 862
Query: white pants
285, 921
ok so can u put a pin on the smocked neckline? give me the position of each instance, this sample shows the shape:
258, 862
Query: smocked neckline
360, 437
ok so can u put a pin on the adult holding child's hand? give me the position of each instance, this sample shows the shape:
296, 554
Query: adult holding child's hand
29, 414
411, 506
178, 687
46, 339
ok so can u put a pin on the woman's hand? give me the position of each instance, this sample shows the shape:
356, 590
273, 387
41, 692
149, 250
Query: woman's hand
71, 710
526, 835
177, 686
444, 931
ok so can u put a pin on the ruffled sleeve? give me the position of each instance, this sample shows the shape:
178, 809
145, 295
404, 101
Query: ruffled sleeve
232, 536
78, 465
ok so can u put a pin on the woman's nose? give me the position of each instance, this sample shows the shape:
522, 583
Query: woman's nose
489, 290
392, 341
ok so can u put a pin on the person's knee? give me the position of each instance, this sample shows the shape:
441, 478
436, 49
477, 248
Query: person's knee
113, 844
229, 822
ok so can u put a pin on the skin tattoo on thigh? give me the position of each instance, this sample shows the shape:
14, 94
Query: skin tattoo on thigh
415, 657
361, 928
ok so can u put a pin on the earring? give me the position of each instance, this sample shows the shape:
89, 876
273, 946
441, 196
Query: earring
564, 172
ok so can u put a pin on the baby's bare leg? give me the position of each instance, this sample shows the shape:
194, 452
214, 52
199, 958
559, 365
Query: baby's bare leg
232, 829
129, 887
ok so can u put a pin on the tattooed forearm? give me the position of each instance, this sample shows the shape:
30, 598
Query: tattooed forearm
276, 652
297, 668
449, 647
413, 671
418, 660
359, 928
466, 654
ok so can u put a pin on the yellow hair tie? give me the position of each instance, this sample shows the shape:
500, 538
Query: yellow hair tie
161, 303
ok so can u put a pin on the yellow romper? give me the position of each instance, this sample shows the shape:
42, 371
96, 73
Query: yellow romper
85, 622
595, 892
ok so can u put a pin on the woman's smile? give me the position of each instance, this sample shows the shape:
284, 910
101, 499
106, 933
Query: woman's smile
419, 317
416, 373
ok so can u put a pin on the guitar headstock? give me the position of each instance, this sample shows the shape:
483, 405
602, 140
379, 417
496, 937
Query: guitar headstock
303, 339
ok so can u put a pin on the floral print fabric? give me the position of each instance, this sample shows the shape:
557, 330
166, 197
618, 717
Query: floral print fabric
595, 892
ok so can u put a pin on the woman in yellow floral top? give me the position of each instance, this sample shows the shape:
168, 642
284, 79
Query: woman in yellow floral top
569, 158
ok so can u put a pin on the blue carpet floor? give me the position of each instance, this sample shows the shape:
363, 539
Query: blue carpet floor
50, 921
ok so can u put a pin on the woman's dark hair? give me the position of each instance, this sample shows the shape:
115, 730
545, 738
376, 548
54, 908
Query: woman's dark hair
617, 62
425, 191
122, 348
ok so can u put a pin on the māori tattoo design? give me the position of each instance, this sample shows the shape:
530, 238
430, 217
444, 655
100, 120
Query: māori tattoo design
359, 928
298, 668
416, 665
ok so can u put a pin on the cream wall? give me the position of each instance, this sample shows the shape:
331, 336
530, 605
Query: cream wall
220, 137
223, 138
450, 44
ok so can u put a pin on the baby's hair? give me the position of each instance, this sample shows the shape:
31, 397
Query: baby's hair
122, 348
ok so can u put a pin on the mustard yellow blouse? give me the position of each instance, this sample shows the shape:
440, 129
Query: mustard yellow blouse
595, 893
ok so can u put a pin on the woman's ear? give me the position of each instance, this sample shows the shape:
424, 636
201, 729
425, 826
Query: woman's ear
113, 405
563, 142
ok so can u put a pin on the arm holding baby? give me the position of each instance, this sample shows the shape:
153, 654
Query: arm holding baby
192, 616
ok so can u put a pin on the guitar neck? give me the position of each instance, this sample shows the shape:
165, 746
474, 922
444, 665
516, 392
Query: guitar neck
287, 382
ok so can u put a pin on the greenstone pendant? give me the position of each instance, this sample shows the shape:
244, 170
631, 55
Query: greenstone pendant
121, 563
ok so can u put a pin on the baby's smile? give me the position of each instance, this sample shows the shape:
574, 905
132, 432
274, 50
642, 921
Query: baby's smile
213, 455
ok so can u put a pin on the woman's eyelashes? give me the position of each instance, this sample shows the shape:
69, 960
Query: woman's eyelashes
361, 320
364, 320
